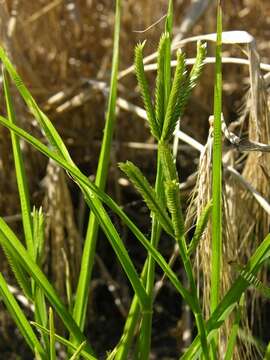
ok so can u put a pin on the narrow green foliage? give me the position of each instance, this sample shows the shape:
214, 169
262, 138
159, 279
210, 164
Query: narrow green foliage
255, 282
148, 194
20, 172
38, 294
217, 175
145, 91
190, 81
52, 335
20, 319
216, 258
200, 227
65, 342
87, 262
51, 133
160, 86
67, 281
167, 161
77, 353
233, 335
170, 118
84, 182
17, 251
230, 300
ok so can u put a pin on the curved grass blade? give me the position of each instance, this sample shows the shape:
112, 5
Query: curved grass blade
231, 299
19, 318
89, 187
51, 133
235, 327
17, 251
20, 172
65, 342
77, 353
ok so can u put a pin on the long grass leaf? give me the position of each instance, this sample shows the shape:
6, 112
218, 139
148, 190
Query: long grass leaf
65, 342
83, 181
231, 299
52, 335
18, 252
46, 125
20, 319
87, 261
77, 353
20, 172
235, 327
216, 258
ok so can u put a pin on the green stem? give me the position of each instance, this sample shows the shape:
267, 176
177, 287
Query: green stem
146, 326
80, 307
217, 182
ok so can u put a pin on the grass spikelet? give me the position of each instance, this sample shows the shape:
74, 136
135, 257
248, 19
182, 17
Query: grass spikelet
175, 95
145, 91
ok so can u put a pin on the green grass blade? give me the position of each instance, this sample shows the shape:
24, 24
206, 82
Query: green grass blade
81, 299
52, 335
20, 172
38, 294
200, 227
148, 194
83, 181
231, 299
216, 262
233, 335
65, 342
77, 353
17, 251
19, 318
51, 133
145, 91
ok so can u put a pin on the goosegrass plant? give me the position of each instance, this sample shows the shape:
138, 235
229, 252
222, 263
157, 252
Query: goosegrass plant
163, 201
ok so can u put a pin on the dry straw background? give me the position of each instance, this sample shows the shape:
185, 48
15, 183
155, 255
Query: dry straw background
63, 53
